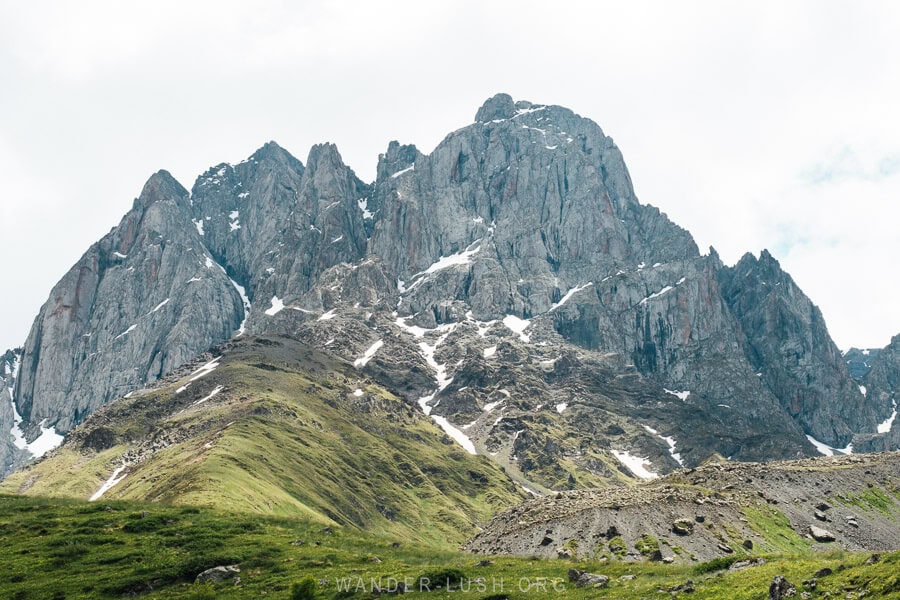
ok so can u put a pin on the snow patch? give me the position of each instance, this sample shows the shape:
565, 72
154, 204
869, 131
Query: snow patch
126, 332
247, 306
492, 405
363, 204
367, 356
827, 450
327, 315
862, 390
461, 438
212, 394
159, 306
120, 255
889, 422
665, 290
357, 392
569, 294
517, 326
414, 330
561, 407
198, 223
115, 478
682, 395
635, 464
427, 350
489, 352
444, 262
670, 441
44, 443
402, 171
203, 371
277, 306
235, 223
530, 491
425, 403
527, 111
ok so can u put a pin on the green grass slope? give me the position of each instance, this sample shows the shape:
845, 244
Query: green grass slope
291, 433
66, 549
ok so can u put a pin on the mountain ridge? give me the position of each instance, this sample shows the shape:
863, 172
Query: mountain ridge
527, 215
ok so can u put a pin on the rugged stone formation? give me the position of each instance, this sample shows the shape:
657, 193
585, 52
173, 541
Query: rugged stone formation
612, 522
881, 385
276, 225
11, 456
787, 344
139, 303
514, 261
859, 361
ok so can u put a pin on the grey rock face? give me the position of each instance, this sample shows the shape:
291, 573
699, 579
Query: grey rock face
881, 385
859, 361
538, 198
787, 343
525, 219
140, 302
531, 203
276, 226
11, 455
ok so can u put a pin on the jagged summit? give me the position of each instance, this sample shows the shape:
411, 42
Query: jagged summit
272, 151
499, 106
509, 281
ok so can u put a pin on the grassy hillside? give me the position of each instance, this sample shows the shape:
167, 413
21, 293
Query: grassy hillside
58, 548
290, 433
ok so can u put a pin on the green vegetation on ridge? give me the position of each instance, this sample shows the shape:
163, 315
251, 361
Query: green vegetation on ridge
289, 435
66, 549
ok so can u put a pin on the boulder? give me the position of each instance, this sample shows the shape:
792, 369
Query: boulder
781, 588
218, 574
683, 527
821, 535
585, 579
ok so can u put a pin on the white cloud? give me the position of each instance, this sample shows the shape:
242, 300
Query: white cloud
725, 113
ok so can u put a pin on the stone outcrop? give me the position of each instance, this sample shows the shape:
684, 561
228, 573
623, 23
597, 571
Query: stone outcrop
11, 455
881, 385
788, 346
859, 361
140, 302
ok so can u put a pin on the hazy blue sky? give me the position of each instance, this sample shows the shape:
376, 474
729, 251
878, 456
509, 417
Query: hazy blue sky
765, 125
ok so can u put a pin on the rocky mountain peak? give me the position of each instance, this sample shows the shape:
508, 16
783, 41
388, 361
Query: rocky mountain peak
515, 252
397, 158
326, 154
499, 106
788, 345
272, 152
161, 187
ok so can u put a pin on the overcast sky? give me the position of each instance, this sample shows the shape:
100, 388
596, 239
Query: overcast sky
766, 125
